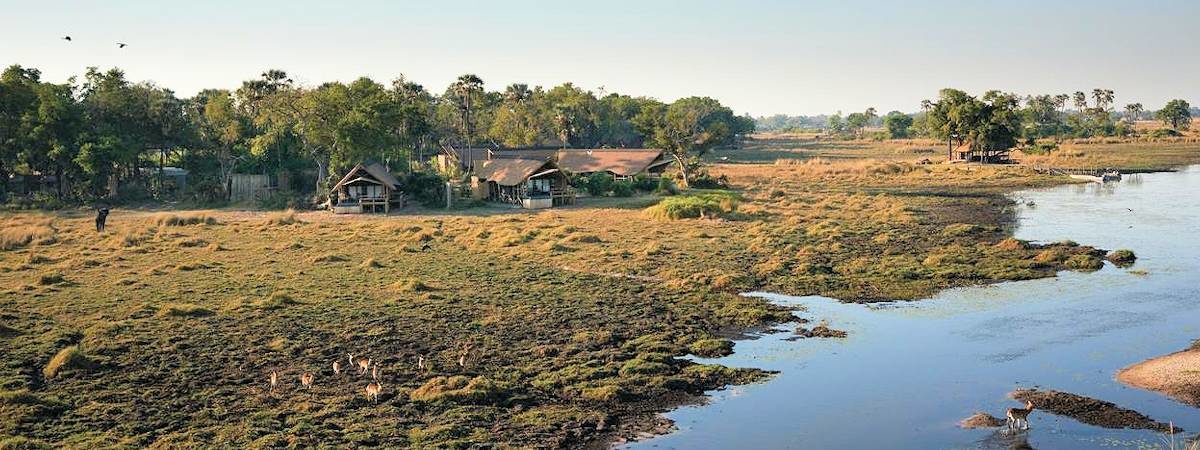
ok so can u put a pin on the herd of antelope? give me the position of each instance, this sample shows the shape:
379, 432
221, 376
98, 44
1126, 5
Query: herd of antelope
361, 367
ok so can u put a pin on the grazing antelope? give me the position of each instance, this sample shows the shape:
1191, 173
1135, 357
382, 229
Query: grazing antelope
1019, 417
306, 380
274, 379
363, 366
337, 368
373, 391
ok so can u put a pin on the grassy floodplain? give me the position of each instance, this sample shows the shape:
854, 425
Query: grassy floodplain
161, 332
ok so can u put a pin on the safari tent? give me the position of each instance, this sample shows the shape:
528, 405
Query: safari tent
367, 187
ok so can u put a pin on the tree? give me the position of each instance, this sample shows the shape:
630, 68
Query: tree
897, 124
1133, 112
1176, 114
953, 115
855, 123
53, 133
464, 94
836, 124
223, 128
18, 97
688, 128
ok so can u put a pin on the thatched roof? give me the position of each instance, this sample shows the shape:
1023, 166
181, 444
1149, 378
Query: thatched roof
509, 171
622, 162
369, 172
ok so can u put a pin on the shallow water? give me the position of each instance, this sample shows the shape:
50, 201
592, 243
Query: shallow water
910, 371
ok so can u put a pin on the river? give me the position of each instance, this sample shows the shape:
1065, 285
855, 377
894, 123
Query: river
909, 371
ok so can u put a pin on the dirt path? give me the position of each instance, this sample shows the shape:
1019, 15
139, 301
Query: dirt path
1176, 375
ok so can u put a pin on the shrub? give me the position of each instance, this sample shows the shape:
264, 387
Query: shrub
598, 184
1040, 148
622, 189
329, 258
665, 187
1122, 258
644, 183
426, 188
1164, 133
711, 348
961, 229
69, 358
48, 279
713, 204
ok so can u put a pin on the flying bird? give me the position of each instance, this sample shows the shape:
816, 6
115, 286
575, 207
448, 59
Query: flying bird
121, 45
66, 38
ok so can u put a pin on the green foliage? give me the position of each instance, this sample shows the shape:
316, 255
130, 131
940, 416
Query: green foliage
622, 189
457, 389
1084, 263
598, 184
711, 204
1177, 114
897, 124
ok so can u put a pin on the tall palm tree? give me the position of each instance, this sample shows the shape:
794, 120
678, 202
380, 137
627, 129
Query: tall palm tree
466, 88
1133, 112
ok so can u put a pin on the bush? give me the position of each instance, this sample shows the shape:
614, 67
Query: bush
704, 180
694, 206
1040, 148
598, 184
426, 188
644, 183
183, 310
622, 189
665, 187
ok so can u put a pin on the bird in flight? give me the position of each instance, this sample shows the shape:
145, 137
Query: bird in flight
66, 38
121, 45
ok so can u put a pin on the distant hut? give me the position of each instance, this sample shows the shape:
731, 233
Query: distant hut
970, 152
530, 183
366, 188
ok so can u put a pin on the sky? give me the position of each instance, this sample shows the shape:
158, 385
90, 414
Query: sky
759, 57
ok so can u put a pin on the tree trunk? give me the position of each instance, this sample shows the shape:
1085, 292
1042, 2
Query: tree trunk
322, 168
683, 171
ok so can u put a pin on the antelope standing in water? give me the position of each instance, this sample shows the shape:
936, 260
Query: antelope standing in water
373, 391
1019, 417
307, 380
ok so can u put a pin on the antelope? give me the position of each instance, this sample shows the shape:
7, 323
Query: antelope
274, 379
462, 357
363, 366
307, 380
420, 363
375, 372
337, 368
373, 391
1019, 417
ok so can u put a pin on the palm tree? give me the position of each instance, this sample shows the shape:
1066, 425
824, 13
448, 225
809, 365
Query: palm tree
1133, 112
465, 88
1103, 97
1080, 100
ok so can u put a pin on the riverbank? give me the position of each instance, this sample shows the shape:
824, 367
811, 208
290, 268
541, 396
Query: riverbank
1176, 375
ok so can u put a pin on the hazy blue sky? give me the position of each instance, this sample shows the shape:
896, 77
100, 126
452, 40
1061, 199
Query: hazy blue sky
760, 57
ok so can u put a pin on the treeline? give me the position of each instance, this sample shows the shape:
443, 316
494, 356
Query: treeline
1077, 115
107, 133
